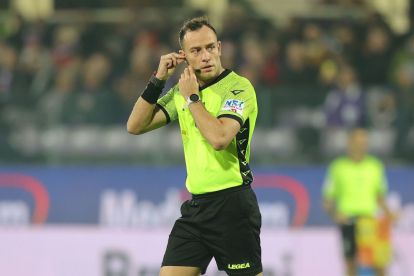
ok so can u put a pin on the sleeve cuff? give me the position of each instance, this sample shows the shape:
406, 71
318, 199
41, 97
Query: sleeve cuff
165, 112
237, 118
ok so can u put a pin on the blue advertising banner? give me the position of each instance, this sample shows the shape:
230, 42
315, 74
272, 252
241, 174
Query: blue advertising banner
151, 196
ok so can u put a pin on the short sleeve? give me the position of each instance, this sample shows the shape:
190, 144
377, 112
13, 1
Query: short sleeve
167, 105
239, 103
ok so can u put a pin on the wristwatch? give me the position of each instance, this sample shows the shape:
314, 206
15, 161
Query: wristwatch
193, 99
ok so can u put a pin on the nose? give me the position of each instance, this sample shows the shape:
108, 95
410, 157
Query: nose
205, 55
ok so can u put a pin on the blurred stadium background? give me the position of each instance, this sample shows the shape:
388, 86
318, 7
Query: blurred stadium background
80, 196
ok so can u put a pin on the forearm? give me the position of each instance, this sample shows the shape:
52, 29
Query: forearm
140, 117
143, 111
330, 209
218, 132
145, 116
210, 127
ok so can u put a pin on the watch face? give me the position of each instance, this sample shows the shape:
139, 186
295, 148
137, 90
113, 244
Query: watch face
194, 97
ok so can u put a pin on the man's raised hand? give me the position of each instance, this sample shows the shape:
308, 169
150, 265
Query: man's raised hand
167, 65
188, 82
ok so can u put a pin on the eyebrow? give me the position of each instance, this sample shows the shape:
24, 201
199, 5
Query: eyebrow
199, 47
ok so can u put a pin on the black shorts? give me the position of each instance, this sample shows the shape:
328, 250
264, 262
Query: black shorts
349, 245
224, 225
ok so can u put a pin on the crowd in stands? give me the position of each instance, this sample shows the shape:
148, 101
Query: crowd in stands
355, 73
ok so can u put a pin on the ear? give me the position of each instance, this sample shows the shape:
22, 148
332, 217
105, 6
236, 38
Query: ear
182, 52
219, 47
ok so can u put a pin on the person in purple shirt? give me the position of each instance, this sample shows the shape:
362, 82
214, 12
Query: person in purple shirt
345, 104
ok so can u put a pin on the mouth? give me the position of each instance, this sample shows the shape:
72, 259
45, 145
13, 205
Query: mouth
207, 68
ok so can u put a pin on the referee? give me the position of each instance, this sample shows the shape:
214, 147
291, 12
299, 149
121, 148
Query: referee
355, 187
216, 109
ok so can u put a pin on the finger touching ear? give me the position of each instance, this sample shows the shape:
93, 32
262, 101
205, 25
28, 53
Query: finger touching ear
182, 56
181, 53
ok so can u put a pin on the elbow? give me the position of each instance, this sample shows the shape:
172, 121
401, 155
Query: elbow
219, 144
133, 130
218, 147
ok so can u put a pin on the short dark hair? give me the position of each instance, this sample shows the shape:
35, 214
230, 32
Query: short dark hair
193, 25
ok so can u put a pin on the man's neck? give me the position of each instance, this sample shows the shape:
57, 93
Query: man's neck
356, 157
204, 83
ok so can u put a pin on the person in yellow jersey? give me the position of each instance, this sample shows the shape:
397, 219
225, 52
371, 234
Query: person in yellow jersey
216, 110
354, 188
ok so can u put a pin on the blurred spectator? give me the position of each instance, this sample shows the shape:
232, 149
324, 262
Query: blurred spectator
292, 31
252, 58
92, 103
12, 30
127, 93
271, 67
314, 44
345, 40
404, 105
51, 104
380, 107
403, 56
143, 56
229, 51
8, 74
345, 105
294, 69
36, 64
374, 60
234, 26
65, 46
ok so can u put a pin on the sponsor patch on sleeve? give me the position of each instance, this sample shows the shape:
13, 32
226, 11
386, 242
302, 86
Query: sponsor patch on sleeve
235, 106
